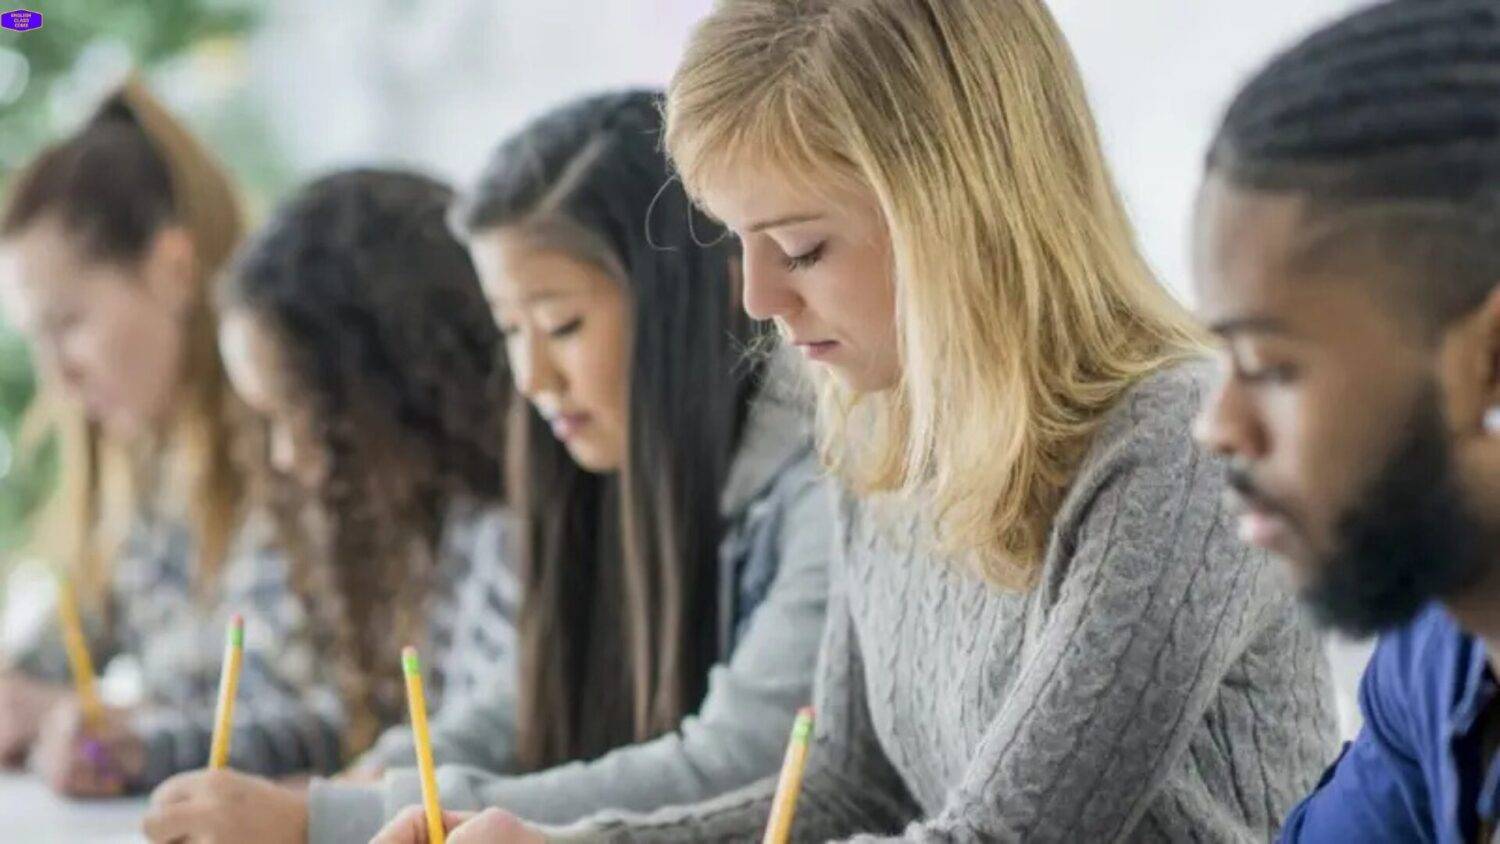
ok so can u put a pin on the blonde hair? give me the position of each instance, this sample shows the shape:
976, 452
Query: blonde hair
1024, 309
104, 484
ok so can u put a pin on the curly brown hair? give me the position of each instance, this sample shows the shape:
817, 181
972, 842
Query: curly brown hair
385, 331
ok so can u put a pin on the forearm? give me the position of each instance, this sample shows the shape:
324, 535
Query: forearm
679, 768
276, 738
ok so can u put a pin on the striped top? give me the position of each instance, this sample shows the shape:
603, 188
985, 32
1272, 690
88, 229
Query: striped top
288, 714
472, 628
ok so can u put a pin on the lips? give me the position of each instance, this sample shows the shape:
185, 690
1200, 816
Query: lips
565, 426
1261, 528
817, 349
1258, 523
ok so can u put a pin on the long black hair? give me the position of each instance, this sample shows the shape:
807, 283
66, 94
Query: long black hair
630, 559
377, 311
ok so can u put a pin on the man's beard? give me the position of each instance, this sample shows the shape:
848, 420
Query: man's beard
1412, 537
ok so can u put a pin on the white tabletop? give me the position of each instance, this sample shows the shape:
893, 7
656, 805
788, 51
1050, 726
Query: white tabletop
29, 811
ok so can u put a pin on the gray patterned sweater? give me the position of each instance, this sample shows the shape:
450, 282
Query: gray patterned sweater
288, 718
1159, 684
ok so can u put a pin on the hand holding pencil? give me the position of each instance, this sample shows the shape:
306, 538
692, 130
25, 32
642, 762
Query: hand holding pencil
85, 754
80, 662
84, 749
492, 826
428, 823
24, 706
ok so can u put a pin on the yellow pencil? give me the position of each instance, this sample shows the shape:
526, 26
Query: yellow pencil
229, 681
78, 655
784, 807
417, 702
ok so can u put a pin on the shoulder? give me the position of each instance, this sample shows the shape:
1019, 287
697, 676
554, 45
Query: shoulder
1145, 443
475, 543
775, 458
795, 504
1420, 668
1157, 412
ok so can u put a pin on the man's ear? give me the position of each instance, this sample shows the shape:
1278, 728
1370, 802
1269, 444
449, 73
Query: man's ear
170, 269
1469, 376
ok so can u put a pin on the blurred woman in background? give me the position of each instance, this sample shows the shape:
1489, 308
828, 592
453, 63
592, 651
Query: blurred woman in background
109, 240
355, 330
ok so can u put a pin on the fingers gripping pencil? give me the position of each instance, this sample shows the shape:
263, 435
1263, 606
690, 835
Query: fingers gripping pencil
81, 664
79, 661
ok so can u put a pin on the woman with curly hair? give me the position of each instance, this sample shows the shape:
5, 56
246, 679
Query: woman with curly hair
354, 327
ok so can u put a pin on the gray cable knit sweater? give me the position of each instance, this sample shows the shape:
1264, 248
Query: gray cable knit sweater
1159, 684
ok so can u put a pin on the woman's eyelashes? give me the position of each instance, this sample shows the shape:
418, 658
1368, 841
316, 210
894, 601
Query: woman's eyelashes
566, 328
807, 258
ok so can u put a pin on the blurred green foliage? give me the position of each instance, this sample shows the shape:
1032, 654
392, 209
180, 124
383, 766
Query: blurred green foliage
153, 31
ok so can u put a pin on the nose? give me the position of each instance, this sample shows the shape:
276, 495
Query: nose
62, 361
1228, 424
768, 291
532, 367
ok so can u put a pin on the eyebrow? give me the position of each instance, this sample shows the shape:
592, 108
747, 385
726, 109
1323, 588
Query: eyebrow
789, 220
1250, 325
544, 295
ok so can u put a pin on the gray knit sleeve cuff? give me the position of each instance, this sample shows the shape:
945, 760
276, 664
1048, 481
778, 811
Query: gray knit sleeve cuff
403, 787
392, 750
343, 813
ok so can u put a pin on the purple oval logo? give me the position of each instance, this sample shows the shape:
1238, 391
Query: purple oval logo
21, 20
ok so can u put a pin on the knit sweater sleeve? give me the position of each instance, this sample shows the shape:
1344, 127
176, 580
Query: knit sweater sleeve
848, 784
1146, 603
287, 720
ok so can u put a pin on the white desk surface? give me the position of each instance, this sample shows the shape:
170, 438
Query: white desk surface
29, 811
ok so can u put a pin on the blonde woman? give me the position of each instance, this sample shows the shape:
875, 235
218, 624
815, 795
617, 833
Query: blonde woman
108, 239
1042, 626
